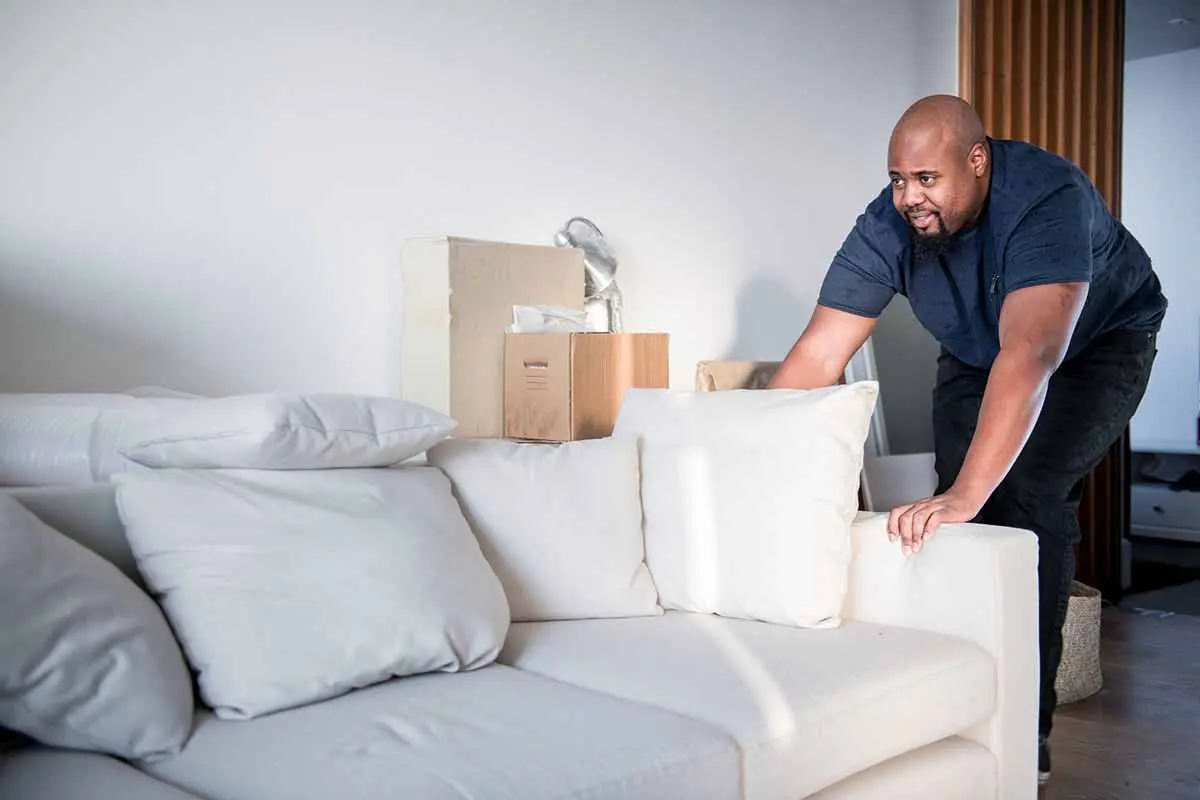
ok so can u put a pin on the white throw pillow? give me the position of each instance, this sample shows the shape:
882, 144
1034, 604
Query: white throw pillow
748, 497
286, 588
87, 661
289, 431
561, 524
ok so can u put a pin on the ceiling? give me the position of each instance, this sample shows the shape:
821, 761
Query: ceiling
1148, 28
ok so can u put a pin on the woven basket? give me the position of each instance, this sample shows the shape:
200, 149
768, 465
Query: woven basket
1079, 673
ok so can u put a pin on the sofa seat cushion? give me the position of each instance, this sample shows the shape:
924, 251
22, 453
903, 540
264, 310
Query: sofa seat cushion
53, 774
496, 732
808, 707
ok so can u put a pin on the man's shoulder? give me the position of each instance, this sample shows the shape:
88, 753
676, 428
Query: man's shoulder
881, 225
865, 271
881, 206
1025, 175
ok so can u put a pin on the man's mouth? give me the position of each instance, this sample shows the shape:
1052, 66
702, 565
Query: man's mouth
922, 219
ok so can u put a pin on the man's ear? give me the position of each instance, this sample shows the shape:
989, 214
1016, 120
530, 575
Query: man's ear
978, 157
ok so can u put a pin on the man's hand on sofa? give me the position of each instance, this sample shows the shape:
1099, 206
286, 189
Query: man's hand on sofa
912, 524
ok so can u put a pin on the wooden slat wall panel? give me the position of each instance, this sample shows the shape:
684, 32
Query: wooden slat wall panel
1050, 72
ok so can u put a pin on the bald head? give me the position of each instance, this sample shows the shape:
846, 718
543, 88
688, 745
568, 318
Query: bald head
939, 161
945, 116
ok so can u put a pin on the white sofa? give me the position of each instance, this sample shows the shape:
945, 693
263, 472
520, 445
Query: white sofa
927, 687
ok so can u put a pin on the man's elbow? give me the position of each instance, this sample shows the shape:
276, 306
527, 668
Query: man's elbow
1038, 323
1043, 355
807, 367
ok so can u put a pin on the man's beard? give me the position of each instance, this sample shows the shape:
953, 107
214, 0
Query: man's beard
930, 246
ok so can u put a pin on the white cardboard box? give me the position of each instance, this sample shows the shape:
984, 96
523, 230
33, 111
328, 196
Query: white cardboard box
457, 300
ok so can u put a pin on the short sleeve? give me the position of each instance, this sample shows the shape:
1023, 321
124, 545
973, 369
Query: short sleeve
1052, 243
862, 279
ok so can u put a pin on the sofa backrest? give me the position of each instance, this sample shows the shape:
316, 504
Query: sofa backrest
86, 513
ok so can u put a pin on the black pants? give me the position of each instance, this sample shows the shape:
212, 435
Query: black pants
1090, 400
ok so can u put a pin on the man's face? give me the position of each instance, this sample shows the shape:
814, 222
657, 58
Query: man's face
935, 185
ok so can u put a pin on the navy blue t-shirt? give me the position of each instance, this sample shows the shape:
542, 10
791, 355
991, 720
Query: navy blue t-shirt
1044, 222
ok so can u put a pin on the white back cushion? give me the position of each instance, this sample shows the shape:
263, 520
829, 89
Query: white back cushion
288, 431
748, 497
286, 588
560, 523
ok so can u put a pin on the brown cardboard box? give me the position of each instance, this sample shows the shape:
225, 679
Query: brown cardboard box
560, 387
458, 295
715, 376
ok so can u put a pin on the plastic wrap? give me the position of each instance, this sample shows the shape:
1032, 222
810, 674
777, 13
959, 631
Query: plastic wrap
548, 319
55, 439
42, 445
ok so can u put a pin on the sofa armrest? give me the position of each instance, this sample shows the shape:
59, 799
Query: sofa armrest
976, 582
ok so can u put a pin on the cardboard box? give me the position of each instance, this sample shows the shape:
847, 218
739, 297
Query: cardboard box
457, 299
715, 376
561, 387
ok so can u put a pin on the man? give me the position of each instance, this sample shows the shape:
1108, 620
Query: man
1047, 310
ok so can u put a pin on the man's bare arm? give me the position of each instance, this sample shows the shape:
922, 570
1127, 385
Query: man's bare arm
819, 357
1036, 325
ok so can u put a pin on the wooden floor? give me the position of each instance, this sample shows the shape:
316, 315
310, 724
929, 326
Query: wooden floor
1139, 737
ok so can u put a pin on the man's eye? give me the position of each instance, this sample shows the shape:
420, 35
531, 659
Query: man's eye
927, 180
897, 182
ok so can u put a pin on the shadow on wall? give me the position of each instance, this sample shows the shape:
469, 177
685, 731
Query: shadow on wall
906, 360
60, 347
770, 317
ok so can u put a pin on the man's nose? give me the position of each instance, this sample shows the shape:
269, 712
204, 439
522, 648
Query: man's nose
913, 197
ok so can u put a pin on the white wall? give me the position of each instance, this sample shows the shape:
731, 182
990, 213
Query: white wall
1161, 207
212, 196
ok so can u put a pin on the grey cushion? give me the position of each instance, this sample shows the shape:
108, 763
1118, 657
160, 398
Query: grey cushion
87, 660
285, 587
87, 514
40, 773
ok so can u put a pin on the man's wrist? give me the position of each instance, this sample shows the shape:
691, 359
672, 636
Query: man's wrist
975, 492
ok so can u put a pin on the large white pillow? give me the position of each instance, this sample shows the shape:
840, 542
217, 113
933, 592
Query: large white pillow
560, 523
87, 661
748, 497
288, 431
286, 588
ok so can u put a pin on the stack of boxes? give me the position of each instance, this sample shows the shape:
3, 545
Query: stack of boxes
457, 358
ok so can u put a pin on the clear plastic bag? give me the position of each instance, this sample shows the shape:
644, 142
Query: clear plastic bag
548, 319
